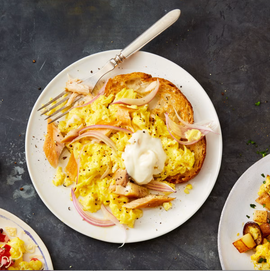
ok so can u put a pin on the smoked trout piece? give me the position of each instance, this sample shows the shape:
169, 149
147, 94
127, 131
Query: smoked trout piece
53, 146
149, 201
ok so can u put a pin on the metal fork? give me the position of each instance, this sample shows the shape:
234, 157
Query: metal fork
157, 28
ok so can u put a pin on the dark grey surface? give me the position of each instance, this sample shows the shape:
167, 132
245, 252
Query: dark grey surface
223, 44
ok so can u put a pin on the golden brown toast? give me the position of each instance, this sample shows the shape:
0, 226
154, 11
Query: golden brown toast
168, 98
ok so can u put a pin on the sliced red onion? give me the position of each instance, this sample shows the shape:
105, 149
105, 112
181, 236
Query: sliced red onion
98, 135
142, 101
4, 261
105, 127
10, 262
107, 171
114, 220
179, 130
203, 127
179, 141
101, 92
87, 217
150, 86
160, 186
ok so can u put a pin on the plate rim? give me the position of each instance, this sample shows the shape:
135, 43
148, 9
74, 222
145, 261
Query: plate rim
220, 145
24, 226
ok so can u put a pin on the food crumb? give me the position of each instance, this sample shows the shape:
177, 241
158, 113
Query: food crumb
21, 189
187, 188
34, 61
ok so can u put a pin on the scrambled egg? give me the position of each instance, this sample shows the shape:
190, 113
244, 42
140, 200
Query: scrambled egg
16, 252
95, 158
187, 188
265, 187
261, 258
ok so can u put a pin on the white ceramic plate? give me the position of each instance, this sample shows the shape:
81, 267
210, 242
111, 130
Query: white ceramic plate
28, 235
234, 216
155, 222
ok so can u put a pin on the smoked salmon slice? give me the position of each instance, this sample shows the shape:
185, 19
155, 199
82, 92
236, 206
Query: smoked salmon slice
71, 168
53, 146
149, 201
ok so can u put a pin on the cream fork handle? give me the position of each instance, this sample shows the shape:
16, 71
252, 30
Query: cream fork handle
157, 28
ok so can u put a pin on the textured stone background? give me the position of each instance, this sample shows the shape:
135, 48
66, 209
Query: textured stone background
223, 44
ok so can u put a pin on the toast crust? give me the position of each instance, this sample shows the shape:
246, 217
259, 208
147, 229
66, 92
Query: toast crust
168, 98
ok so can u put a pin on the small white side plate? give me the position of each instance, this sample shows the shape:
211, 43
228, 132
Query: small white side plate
27, 234
234, 216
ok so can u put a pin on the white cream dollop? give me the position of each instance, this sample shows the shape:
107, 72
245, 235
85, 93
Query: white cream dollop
144, 157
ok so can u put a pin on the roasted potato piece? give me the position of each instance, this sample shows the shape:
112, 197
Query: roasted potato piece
264, 199
255, 231
248, 241
260, 216
240, 246
245, 243
265, 229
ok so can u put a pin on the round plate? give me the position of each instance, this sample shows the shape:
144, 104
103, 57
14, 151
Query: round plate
155, 222
26, 233
234, 214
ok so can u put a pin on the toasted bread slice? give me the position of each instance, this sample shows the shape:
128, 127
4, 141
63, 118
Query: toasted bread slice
168, 98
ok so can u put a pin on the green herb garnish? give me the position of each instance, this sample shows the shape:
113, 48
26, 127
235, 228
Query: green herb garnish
251, 142
261, 260
247, 216
263, 175
252, 206
258, 103
263, 153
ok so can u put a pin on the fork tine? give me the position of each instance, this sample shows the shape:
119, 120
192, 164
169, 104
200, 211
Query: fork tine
69, 107
51, 101
58, 103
